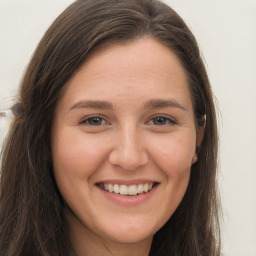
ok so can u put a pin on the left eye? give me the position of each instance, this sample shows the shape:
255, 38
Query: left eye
95, 121
161, 120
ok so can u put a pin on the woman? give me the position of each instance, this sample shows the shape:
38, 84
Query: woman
113, 150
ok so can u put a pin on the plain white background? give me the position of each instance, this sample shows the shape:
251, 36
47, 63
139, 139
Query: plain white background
226, 33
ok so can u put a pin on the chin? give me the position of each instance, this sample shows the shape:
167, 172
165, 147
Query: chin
132, 231
130, 237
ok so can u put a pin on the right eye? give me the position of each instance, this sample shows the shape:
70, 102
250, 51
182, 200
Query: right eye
95, 121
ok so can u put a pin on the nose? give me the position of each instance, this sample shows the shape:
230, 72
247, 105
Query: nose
129, 150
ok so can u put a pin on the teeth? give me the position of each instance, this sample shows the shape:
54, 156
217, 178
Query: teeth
106, 186
146, 188
132, 190
110, 188
125, 190
140, 189
116, 189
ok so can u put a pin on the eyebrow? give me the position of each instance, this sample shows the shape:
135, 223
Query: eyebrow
151, 104
92, 104
160, 103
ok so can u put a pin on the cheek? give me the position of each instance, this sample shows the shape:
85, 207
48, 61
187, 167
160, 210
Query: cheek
76, 157
76, 154
174, 154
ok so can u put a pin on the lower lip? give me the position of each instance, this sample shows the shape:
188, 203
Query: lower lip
128, 200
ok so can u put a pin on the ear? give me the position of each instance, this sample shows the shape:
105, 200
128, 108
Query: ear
199, 139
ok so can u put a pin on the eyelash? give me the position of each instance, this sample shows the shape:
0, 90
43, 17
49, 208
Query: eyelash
152, 121
168, 121
87, 121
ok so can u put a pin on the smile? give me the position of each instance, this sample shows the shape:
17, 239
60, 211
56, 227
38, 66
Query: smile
128, 190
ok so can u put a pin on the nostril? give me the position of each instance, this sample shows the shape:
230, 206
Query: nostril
128, 149
128, 161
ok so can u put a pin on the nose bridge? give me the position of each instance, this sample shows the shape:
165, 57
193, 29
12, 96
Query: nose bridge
129, 151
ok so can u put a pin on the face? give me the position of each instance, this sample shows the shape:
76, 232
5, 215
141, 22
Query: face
123, 142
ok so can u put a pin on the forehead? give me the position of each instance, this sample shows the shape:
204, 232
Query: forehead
130, 71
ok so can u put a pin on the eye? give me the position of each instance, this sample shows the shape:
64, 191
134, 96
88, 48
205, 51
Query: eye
95, 121
161, 120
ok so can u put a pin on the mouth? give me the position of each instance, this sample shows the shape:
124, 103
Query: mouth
128, 190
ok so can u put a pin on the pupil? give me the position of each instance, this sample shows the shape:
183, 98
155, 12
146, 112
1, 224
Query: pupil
95, 121
159, 120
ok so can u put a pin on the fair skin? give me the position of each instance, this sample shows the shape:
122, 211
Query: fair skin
125, 122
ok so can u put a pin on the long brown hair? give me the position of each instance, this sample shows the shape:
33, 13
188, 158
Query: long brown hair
31, 208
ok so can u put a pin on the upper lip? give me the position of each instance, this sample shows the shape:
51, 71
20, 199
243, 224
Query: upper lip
127, 182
